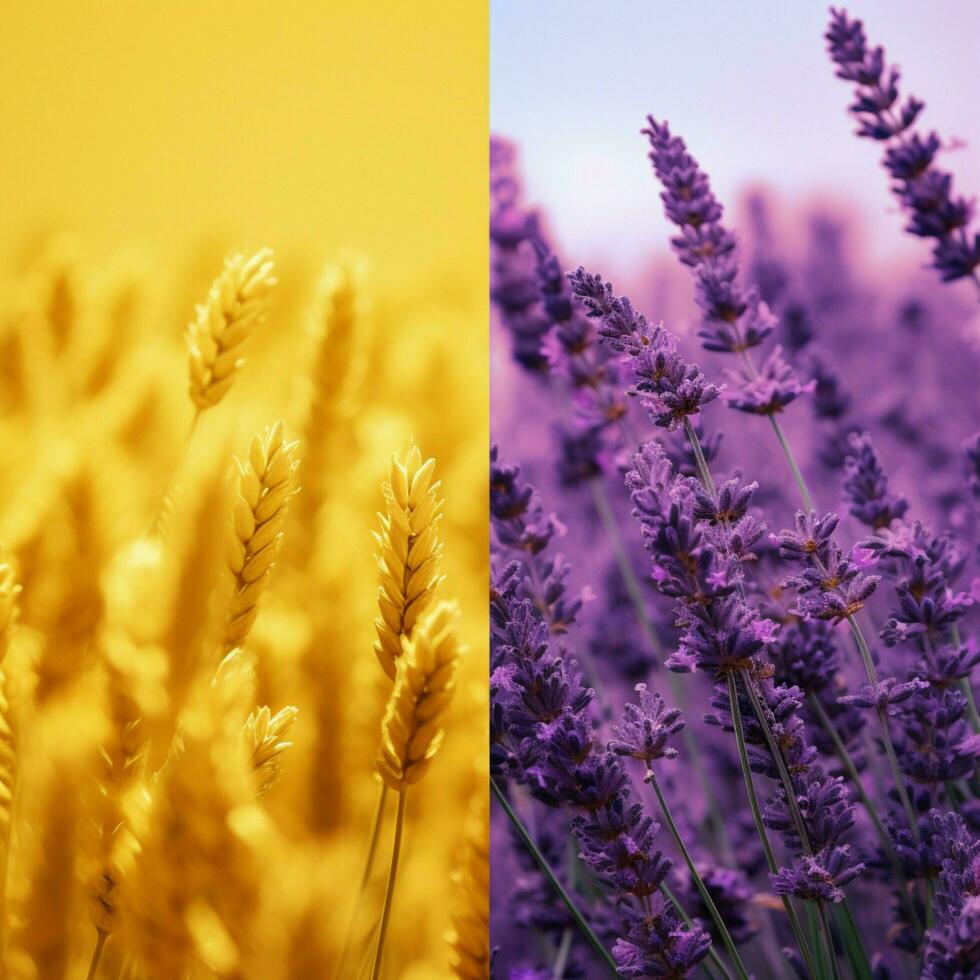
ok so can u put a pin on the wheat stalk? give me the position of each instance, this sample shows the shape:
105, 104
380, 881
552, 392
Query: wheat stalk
424, 686
265, 735
468, 941
266, 482
237, 301
410, 550
8, 737
195, 883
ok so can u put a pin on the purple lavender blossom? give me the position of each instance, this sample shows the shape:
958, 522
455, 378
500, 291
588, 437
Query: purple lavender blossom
769, 390
671, 388
866, 485
925, 191
543, 736
830, 586
647, 728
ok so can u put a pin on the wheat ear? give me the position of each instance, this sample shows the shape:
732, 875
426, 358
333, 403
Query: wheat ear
424, 686
337, 311
469, 956
266, 482
265, 736
237, 301
410, 550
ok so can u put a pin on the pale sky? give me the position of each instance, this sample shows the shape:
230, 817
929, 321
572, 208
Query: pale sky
748, 85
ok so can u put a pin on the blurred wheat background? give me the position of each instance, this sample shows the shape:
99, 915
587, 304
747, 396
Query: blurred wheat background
240, 232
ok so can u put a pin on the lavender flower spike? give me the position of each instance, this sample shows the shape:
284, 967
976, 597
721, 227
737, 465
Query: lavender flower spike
673, 389
735, 318
925, 191
646, 729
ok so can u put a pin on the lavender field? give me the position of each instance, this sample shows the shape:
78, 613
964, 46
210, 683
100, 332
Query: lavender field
734, 492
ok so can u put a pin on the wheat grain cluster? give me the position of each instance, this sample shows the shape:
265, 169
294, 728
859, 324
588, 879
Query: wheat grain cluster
199, 751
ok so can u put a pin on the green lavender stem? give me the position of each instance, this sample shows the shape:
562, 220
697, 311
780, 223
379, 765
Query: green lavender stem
872, 674
709, 904
561, 960
702, 464
760, 826
965, 687
777, 757
794, 468
546, 870
828, 939
848, 763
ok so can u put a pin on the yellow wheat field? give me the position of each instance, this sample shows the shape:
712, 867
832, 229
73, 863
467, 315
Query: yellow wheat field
206, 402
241, 602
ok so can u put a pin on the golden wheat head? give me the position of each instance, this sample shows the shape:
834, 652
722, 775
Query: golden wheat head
266, 482
424, 686
265, 736
410, 550
237, 301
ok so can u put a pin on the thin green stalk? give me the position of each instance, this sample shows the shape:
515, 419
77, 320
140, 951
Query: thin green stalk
886, 738
971, 704
709, 904
702, 464
390, 888
857, 955
828, 939
848, 763
743, 759
101, 937
542, 863
365, 876
561, 960
793, 466
712, 952
777, 756
953, 795
965, 686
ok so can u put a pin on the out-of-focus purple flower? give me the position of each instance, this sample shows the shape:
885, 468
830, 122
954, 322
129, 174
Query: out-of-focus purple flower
936, 743
797, 330
521, 526
513, 283
973, 462
866, 485
923, 190
770, 389
829, 401
732, 897
646, 729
